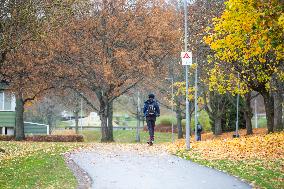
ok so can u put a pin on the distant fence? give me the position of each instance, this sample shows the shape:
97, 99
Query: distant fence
98, 127
36, 128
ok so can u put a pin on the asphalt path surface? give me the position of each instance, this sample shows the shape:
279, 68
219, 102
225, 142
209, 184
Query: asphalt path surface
120, 167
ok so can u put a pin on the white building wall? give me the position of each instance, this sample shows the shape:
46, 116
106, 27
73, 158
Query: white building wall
10, 131
13, 103
3, 100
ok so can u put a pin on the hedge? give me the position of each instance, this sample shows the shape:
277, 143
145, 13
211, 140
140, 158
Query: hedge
47, 138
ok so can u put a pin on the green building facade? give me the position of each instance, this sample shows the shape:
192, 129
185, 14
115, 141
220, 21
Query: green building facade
8, 117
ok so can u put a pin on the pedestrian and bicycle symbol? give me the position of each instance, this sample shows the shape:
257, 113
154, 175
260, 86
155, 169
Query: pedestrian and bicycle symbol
186, 58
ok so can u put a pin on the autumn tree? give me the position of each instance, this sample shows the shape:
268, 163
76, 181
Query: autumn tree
248, 39
118, 44
24, 46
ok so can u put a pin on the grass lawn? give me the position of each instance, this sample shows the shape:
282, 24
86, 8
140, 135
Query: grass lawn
258, 159
41, 164
35, 165
261, 173
128, 136
262, 122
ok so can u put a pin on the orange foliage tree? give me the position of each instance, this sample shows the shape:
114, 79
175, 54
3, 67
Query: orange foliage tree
112, 46
24, 48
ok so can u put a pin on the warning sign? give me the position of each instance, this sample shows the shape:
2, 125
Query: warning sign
186, 58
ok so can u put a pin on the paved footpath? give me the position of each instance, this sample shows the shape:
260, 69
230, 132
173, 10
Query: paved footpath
117, 167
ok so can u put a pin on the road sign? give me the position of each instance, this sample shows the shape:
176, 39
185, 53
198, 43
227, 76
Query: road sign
186, 58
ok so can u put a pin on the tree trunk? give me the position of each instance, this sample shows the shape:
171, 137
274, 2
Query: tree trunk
49, 122
248, 113
104, 116
218, 126
179, 119
19, 130
278, 112
104, 128
76, 113
110, 125
269, 109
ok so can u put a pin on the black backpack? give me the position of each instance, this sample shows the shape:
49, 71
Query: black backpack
151, 109
199, 128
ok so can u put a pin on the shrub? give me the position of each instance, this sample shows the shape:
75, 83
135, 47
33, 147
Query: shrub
203, 120
166, 120
6, 138
48, 138
55, 138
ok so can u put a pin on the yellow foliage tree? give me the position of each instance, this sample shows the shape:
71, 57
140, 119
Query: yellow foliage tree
248, 39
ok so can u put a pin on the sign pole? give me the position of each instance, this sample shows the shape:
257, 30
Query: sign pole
186, 78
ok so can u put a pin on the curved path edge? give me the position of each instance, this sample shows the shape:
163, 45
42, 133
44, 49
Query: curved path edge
84, 180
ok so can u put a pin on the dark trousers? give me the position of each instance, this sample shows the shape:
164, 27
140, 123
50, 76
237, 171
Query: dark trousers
151, 126
198, 136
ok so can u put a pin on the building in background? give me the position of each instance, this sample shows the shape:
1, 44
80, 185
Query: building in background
8, 116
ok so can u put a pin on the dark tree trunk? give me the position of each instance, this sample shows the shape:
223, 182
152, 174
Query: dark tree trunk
278, 112
19, 130
110, 125
248, 113
269, 109
218, 126
179, 119
104, 127
50, 122
104, 116
76, 113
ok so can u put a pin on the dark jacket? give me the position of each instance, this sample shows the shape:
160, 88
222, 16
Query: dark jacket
199, 128
156, 105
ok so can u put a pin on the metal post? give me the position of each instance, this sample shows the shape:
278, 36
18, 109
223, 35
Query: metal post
172, 101
255, 113
195, 103
186, 78
138, 118
238, 99
81, 115
172, 110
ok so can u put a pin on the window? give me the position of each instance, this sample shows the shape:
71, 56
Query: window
7, 102
1, 101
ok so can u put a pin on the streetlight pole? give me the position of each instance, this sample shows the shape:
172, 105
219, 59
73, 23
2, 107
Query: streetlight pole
238, 100
172, 80
187, 135
138, 118
81, 115
255, 113
195, 103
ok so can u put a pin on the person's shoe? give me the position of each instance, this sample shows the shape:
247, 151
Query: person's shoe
150, 143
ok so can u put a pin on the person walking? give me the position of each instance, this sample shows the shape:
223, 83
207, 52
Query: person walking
151, 110
199, 130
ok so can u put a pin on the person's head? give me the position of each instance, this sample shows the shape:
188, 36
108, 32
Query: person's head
151, 96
